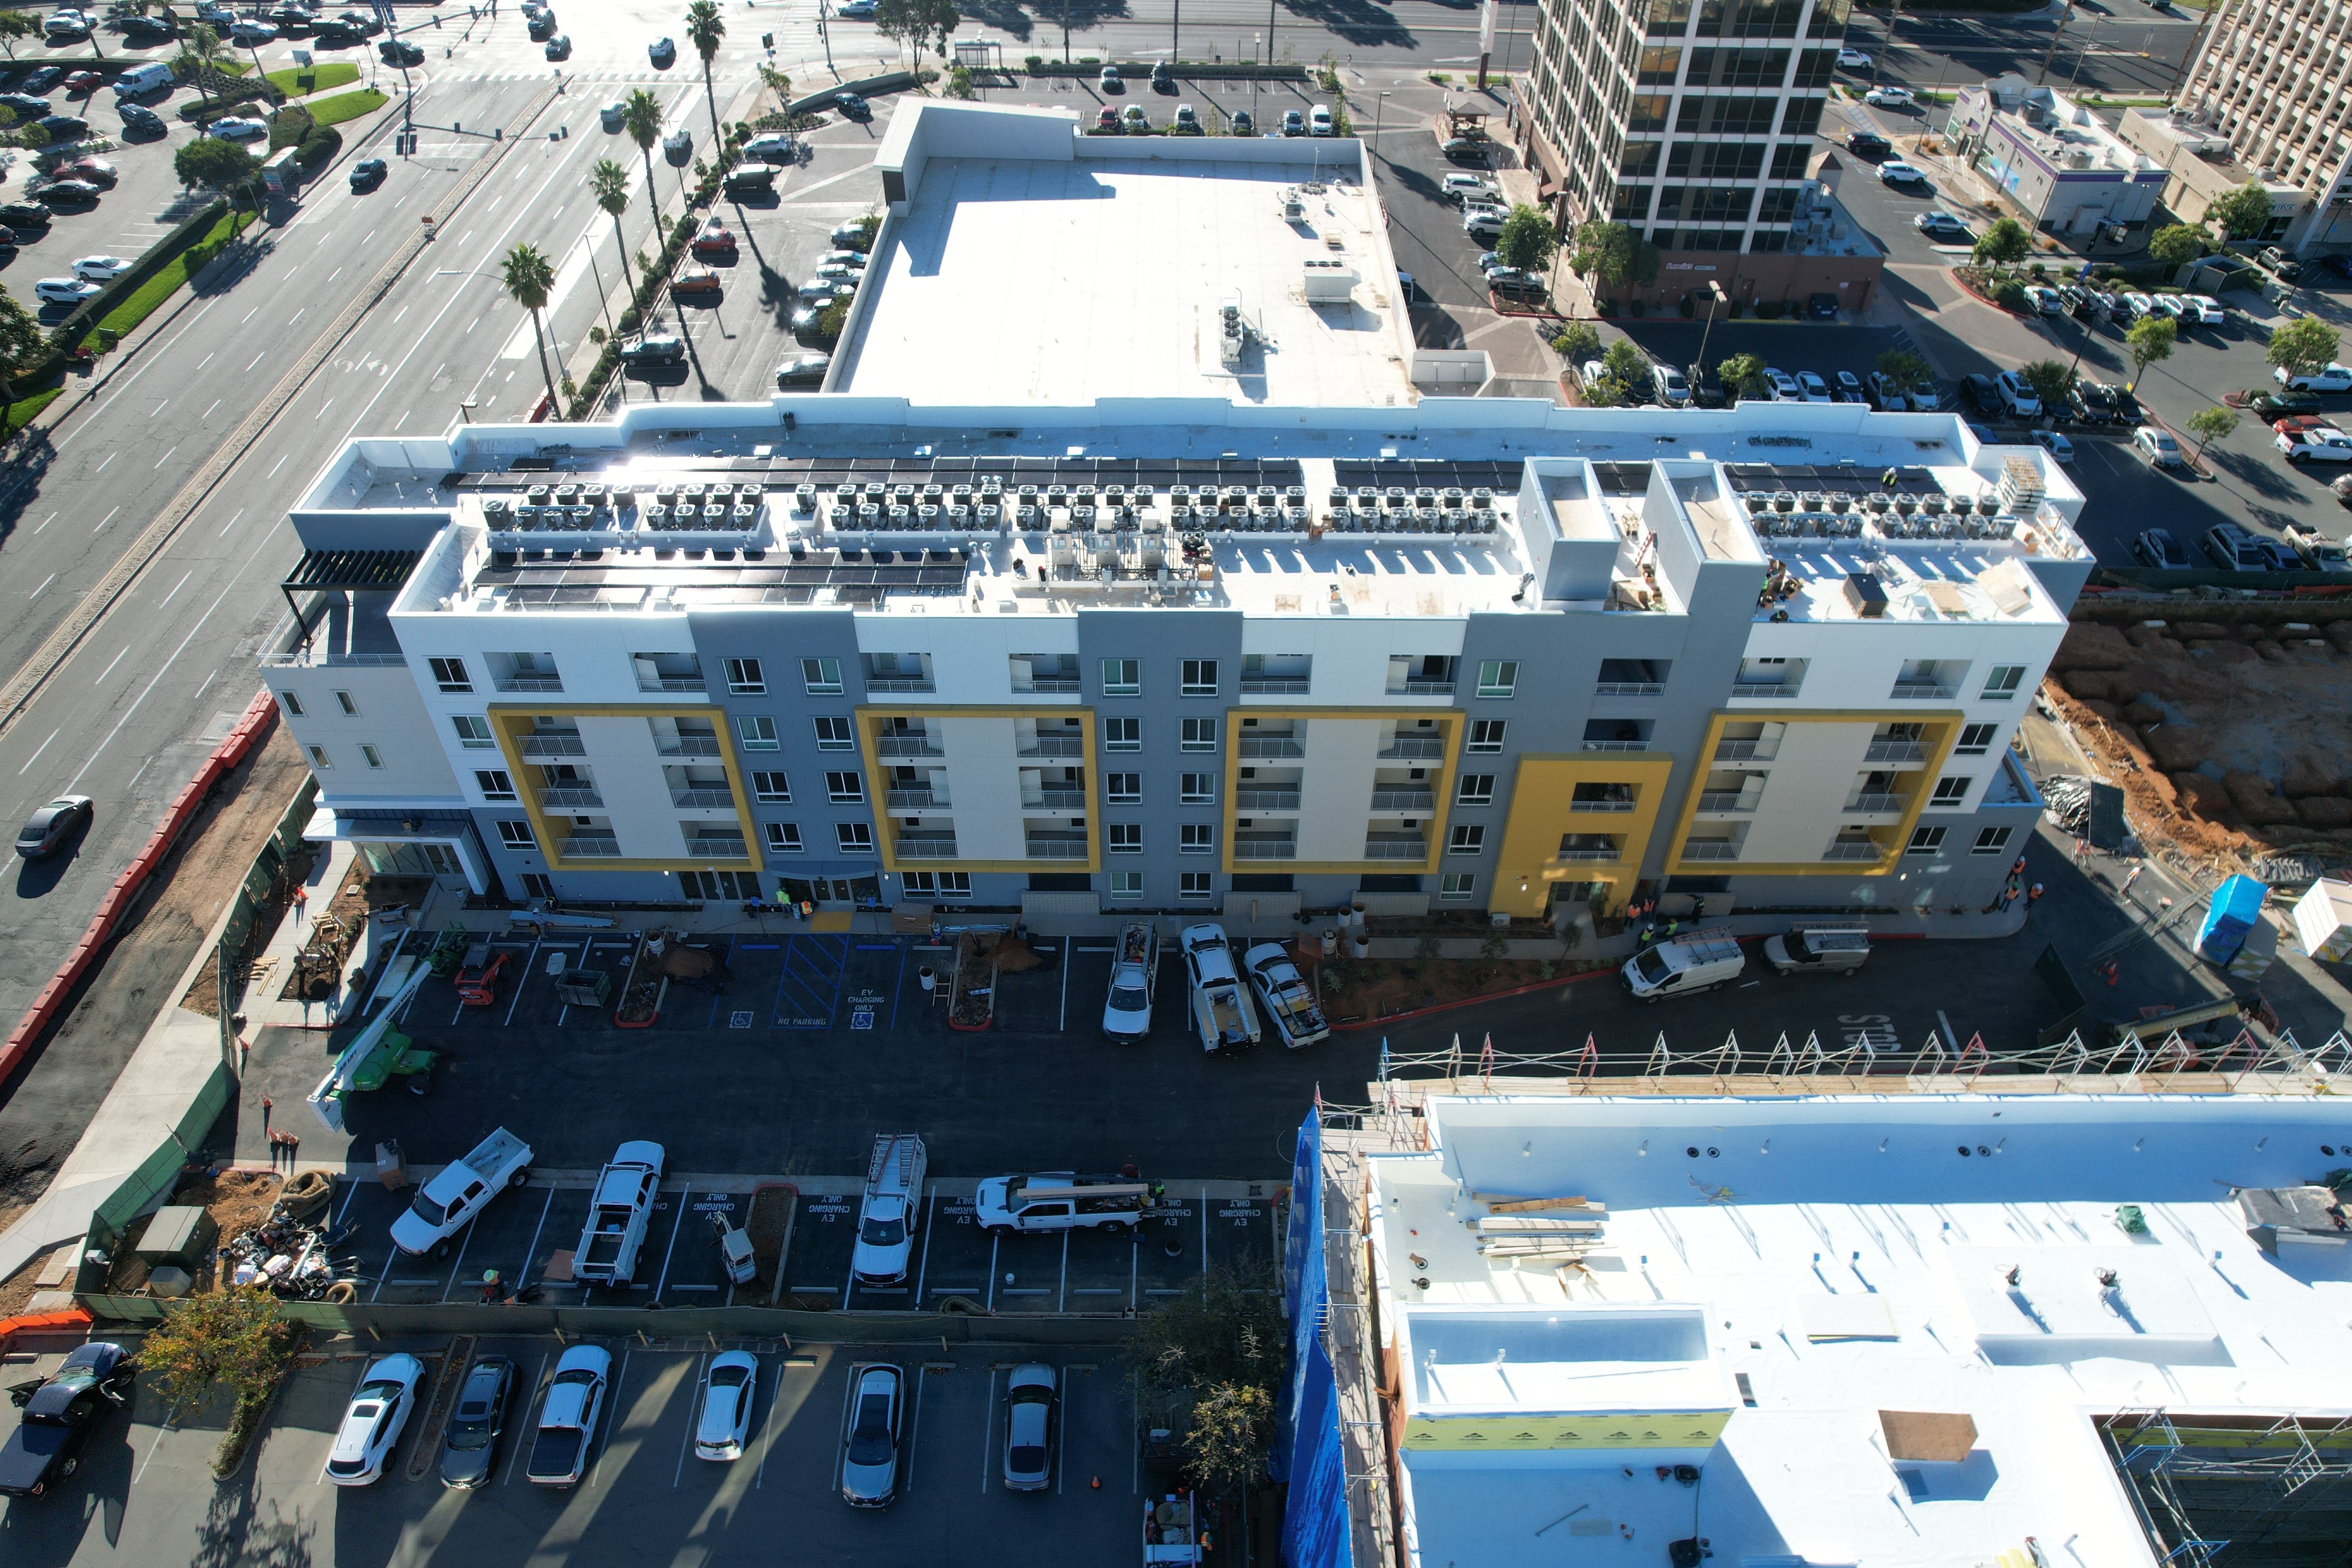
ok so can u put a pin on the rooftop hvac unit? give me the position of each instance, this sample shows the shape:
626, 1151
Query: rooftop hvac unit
1867, 595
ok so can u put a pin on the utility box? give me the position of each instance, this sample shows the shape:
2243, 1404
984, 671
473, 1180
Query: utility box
181, 1233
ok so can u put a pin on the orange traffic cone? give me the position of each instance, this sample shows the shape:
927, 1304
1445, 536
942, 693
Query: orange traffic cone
1096, 1484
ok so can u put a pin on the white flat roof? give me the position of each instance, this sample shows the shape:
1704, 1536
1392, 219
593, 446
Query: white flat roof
1032, 280
1955, 1256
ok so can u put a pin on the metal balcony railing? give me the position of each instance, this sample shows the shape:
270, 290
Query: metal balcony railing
899, 683
569, 799
908, 746
1057, 848
1265, 800
1265, 848
591, 846
1054, 800
1609, 854
1271, 746
527, 682
1616, 745
718, 846
1396, 849
669, 683
1894, 752
1048, 685
1746, 750
555, 746
1408, 746
1921, 692
1764, 688
926, 846
1600, 805
1873, 804
1404, 800
1721, 800
1421, 688
1710, 849
319, 656
1053, 746
688, 746
1274, 686
915, 800
700, 799
1629, 689
1845, 850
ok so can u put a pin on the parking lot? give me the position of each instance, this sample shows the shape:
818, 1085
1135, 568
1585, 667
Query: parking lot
146, 1492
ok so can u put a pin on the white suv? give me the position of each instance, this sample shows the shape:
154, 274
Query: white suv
2016, 396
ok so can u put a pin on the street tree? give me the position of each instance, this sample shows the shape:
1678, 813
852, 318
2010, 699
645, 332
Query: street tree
777, 82
1905, 369
2175, 244
1577, 342
641, 119
20, 337
211, 164
940, 19
1602, 391
609, 183
2050, 381
2210, 424
705, 29
233, 1342
2304, 346
529, 279
15, 25
2004, 243
1627, 364
1528, 242
1614, 253
1742, 376
2241, 213
2150, 339
902, 22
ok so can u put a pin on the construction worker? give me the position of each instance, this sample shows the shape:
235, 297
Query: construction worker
489, 1287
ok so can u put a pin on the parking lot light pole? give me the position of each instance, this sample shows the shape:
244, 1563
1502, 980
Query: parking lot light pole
1379, 102
1715, 295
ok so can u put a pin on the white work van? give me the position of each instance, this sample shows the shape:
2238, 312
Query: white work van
1134, 975
1699, 962
892, 1208
1818, 949
458, 1191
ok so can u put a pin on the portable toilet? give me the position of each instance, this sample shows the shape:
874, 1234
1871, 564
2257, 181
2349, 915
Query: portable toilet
2235, 909
2322, 920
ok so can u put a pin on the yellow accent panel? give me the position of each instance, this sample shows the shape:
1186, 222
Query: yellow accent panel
1597, 1432
1450, 727
1541, 791
878, 787
510, 722
1940, 731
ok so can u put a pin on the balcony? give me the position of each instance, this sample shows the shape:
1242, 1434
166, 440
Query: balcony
1894, 752
1710, 849
1599, 804
907, 745
702, 799
538, 682
1405, 746
668, 683
1043, 746
553, 746
1046, 686
925, 846
1273, 685
1265, 800
318, 656
1396, 847
1873, 805
1629, 689
915, 800
1273, 746
1404, 800
1746, 750
1421, 688
684, 746
718, 846
1611, 853
1246, 847
1722, 800
569, 799
1846, 850
1781, 689
1054, 800
1616, 745
1922, 691
591, 846
899, 683
1056, 846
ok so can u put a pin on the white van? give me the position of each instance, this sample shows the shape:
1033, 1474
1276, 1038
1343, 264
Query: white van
1699, 961
892, 1208
1818, 949
142, 79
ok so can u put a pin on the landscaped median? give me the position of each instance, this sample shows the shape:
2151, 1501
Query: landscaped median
344, 106
167, 279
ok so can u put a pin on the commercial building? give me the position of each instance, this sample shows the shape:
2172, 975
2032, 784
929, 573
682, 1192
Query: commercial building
2274, 80
2199, 169
1152, 649
2056, 160
1694, 123
1895, 1328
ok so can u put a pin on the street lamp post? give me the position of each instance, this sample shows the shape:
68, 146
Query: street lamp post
1715, 295
466, 409
1379, 102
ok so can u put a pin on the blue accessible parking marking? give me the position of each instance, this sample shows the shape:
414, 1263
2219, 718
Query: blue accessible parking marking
739, 1020
808, 992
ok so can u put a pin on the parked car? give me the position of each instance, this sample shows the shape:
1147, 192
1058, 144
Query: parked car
65, 291
1898, 173
1460, 188
1477, 150
469, 1447
1813, 388
1886, 395
2157, 446
662, 53
100, 268
2157, 547
2015, 397
60, 1414
2318, 552
24, 215
1888, 97
61, 128
1107, 121
2235, 549
1110, 80
1030, 1394
399, 52
144, 120
870, 1460
1853, 60
2135, 305
369, 172
237, 128
1134, 977
775, 144
92, 172
655, 348
2281, 266
1673, 390
2265, 405
1868, 144
1784, 385
1483, 224
2043, 300
2057, 445
81, 84
808, 323
1319, 122
2334, 378
49, 77
1938, 224
852, 106
1133, 121
380, 1408
67, 194
247, 33
822, 291
559, 47
2324, 443
2207, 309
612, 111
24, 105
697, 280
1515, 281
724, 1422
855, 261
803, 370
568, 1417
714, 238
2102, 403
1163, 79
2295, 423
1293, 123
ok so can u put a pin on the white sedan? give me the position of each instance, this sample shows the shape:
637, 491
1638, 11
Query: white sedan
236, 128
725, 1424
773, 145
373, 1422
2323, 444
1812, 387
2056, 444
100, 268
1888, 97
1853, 60
1898, 173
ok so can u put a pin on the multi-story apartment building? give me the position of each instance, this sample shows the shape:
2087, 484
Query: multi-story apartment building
1693, 121
1170, 654
2274, 78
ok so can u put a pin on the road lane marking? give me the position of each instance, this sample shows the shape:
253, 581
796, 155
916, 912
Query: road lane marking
37, 751
104, 520
208, 413
45, 582
685, 1439
258, 358
46, 521
177, 588
101, 466
230, 524
163, 459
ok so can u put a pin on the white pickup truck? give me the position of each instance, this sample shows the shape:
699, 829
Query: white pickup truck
1059, 1200
619, 1214
1220, 1003
1289, 999
458, 1191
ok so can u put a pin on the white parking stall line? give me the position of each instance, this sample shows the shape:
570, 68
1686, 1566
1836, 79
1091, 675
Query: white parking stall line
457, 1268
1061, 1433
530, 1404
1062, 1296
685, 1439
994, 1242
529, 964
350, 1191
923, 1268
533, 1250
1065, 994
612, 1408
1204, 1230
767, 1424
987, 1431
678, 1224
914, 1428
158, 1443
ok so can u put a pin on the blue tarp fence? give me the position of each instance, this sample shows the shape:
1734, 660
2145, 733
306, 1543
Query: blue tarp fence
1307, 1452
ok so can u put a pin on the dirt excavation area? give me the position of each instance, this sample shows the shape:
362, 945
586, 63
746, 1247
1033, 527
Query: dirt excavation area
2230, 737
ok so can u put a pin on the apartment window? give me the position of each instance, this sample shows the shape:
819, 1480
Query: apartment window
785, 837
1125, 837
844, 787
538, 885
1196, 839
367, 756
516, 835
344, 700
1127, 885
2003, 682
1200, 735
1122, 678
854, 838
1200, 678
833, 735
1123, 789
1475, 789
1991, 841
318, 758
1950, 791
743, 677
940, 884
1486, 734
449, 674
713, 886
1498, 676
1926, 841
473, 733
495, 783
1975, 739
1122, 734
822, 677
1457, 887
1469, 838
772, 786
293, 704
757, 732
1193, 885
1197, 789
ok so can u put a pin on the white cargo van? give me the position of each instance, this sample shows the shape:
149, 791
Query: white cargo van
139, 80
1699, 962
892, 1208
1816, 950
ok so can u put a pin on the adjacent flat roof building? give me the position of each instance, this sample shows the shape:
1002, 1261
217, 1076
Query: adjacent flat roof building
2273, 77
1156, 650
2056, 160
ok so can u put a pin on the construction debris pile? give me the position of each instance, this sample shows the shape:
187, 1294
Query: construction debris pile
292, 1251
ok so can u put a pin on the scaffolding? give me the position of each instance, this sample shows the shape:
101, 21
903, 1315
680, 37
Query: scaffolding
2220, 1491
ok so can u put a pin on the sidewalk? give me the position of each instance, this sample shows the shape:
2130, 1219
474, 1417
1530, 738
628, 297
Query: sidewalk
275, 964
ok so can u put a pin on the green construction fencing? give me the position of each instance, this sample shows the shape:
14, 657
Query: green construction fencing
264, 890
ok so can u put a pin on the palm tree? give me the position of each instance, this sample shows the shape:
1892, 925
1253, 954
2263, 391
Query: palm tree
529, 277
610, 184
641, 117
202, 52
703, 30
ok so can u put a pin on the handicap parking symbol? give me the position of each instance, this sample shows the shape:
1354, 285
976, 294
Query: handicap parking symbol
861, 1017
739, 1020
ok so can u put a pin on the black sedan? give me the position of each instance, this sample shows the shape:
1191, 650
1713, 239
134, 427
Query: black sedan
1868, 144
368, 173
46, 831
60, 1413
45, 79
852, 106
64, 128
24, 214
67, 194
24, 105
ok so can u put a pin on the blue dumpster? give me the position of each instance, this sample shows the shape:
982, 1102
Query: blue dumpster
2237, 905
